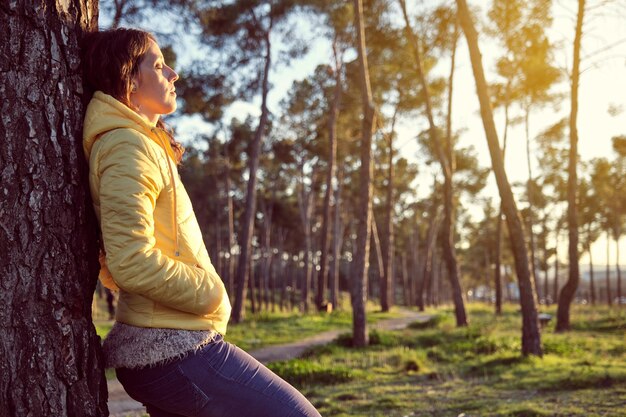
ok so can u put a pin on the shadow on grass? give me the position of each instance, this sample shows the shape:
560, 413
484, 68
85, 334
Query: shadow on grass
606, 324
579, 381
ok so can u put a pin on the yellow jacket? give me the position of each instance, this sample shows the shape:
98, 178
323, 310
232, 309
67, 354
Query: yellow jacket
153, 244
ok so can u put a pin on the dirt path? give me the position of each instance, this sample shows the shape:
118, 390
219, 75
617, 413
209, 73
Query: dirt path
121, 405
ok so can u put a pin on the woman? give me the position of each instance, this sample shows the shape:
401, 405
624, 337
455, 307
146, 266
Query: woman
166, 345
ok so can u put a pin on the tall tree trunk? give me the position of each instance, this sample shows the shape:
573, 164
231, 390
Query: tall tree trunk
545, 263
282, 236
619, 272
417, 268
447, 169
251, 285
386, 295
497, 273
266, 250
569, 289
592, 283
50, 357
359, 291
406, 288
337, 242
378, 251
293, 278
231, 230
531, 335
449, 221
218, 242
330, 174
529, 191
305, 202
555, 290
609, 300
247, 226
498, 254
427, 267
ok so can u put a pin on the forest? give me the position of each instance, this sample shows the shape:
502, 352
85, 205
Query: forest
293, 216
344, 159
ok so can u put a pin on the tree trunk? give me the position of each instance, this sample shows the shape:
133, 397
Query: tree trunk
247, 226
266, 250
293, 275
364, 212
569, 289
305, 202
619, 272
497, 276
386, 295
592, 283
427, 267
498, 254
545, 263
529, 191
447, 169
251, 285
379, 253
330, 174
555, 289
406, 288
231, 231
609, 300
218, 262
337, 241
50, 357
531, 335
417, 267
282, 236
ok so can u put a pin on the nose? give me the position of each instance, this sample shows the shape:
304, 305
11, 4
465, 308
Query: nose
173, 75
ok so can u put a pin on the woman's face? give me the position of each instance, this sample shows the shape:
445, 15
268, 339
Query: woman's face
153, 92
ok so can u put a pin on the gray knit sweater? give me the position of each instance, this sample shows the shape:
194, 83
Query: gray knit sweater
128, 346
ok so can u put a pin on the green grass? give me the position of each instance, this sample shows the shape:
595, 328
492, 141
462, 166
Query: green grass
436, 369
266, 329
441, 370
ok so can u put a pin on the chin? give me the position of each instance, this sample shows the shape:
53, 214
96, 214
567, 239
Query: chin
169, 109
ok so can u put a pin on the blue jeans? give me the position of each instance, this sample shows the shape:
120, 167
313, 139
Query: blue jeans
220, 380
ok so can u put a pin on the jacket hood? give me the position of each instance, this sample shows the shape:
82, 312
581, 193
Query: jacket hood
105, 113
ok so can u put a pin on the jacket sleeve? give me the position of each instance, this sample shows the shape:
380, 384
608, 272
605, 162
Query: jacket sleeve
130, 183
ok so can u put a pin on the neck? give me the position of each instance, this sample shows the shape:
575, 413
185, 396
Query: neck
151, 118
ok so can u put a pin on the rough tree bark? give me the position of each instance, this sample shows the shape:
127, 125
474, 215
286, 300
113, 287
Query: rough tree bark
50, 357
364, 215
531, 335
569, 289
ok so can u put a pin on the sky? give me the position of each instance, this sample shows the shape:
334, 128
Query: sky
602, 84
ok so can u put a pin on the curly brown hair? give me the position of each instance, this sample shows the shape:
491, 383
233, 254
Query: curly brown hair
111, 60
